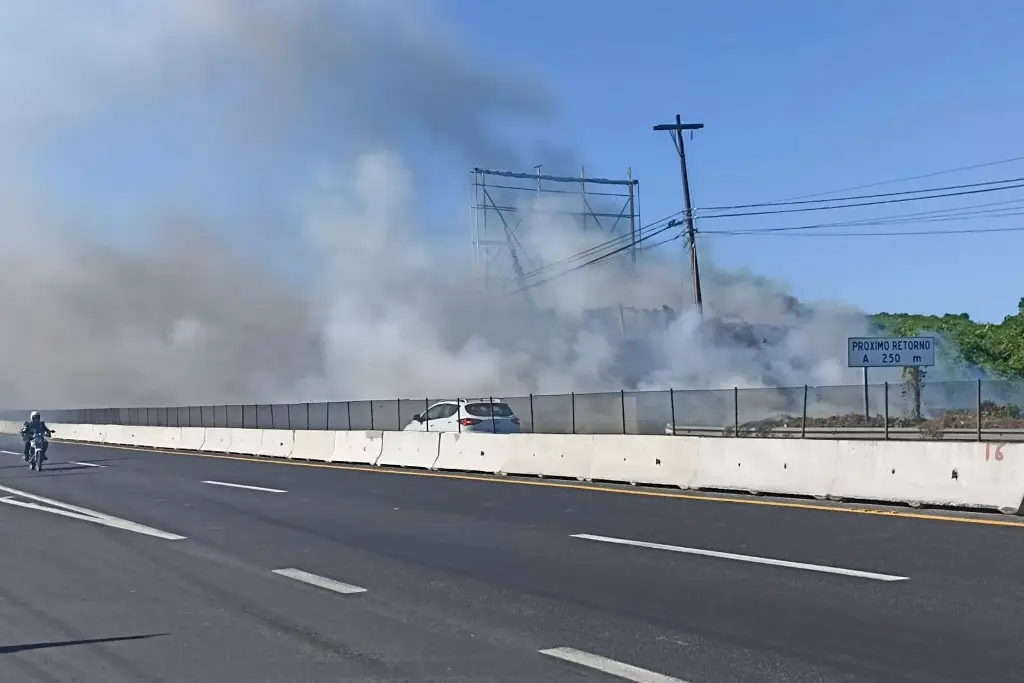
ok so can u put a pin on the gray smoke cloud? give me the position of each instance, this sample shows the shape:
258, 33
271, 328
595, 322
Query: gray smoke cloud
351, 290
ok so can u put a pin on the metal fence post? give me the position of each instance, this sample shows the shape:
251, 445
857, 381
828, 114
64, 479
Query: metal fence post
885, 415
622, 403
672, 408
494, 426
426, 407
348, 412
327, 416
307, 414
736, 410
803, 418
458, 409
371, 415
572, 406
979, 409
273, 420
533, 425
398, 413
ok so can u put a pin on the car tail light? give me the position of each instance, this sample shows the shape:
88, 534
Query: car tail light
469, 421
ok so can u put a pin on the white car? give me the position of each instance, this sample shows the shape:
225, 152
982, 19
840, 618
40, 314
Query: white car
490, 416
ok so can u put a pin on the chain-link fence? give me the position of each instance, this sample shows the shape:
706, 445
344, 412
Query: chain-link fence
976, 410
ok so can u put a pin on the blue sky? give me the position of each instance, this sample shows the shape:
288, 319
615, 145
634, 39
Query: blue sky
798, 97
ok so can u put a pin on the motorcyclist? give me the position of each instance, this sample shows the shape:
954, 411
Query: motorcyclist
35, 425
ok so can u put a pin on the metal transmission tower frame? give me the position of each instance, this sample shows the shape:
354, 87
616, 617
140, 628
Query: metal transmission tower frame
606, 205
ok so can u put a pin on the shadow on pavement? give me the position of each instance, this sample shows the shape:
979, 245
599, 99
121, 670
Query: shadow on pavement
63, 467
13, 649
23, 472
103, 459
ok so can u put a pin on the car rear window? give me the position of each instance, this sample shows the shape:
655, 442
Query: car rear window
489, 409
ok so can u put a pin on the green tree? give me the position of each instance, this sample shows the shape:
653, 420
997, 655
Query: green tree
996, 348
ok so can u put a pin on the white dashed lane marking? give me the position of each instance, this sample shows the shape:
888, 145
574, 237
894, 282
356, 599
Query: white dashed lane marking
31, 501
609, 666
320, 581
856, 573
244, 486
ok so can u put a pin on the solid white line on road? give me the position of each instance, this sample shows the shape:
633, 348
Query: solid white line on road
609, 666
84, 514
11, 453
244, 486
84, 464
745, 558
319, 581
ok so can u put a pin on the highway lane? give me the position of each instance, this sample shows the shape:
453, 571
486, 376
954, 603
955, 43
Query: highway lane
496, 561
78, 605
946, 551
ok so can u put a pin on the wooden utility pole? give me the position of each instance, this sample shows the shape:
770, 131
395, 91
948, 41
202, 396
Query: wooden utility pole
677, 129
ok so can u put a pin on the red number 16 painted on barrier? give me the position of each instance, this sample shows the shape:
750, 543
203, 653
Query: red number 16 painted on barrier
994, 453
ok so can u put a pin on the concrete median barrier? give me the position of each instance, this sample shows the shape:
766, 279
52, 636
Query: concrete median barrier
646, 460
219, 440
192, 438
788, 467
86, 433
409, 449
358, 448
474, 452
314, 445
116, 435
966, 475
549, 455
275, 443
972, 475
241, 441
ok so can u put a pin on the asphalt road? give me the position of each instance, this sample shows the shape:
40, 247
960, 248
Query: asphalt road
470, 579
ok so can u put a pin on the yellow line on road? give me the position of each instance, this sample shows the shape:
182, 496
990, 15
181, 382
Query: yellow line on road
929, 516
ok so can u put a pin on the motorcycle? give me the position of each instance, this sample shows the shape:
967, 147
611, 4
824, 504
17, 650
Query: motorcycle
35, 452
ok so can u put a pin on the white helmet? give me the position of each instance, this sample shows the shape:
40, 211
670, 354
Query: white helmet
34, 415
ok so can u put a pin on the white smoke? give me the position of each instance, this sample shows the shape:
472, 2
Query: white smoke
382, 306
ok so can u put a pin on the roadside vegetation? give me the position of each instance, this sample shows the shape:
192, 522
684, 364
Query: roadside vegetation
997, 349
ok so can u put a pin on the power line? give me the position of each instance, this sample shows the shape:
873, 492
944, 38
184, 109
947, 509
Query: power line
609, 246
605, 256
900, 200
801, 228
599, 259
619, 244
944, 188
906, 179
602, 246
935, 216
964, 231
